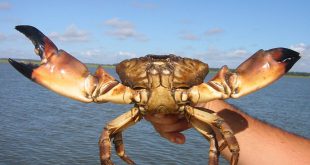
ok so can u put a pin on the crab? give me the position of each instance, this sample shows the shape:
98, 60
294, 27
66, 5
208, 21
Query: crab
166, 84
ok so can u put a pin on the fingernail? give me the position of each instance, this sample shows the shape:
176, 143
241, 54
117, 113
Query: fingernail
173, 140
178, 140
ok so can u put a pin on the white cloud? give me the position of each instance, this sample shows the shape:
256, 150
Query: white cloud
123, 33
234, 57
14, 53
117, 23
102, 55
214, 31
300, 47
12, 37
5, 6
189, 36
92, 53
2, 37
304, 63
186, 35
304, 51
72, 33
237, 53
122, 29
217, 58
127, 54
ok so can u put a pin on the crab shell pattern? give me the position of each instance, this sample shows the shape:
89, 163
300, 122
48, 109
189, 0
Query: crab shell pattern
165, 84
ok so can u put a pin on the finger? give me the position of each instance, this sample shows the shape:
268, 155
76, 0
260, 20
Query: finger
178, 126
174, 137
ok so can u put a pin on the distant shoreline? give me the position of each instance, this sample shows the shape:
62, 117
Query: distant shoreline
93, 65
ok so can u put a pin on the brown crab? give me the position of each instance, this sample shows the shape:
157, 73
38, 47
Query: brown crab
165, 84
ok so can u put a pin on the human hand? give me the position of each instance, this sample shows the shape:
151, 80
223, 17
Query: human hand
169, 126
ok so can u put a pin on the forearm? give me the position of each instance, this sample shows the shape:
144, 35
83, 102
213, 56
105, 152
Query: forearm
259, 142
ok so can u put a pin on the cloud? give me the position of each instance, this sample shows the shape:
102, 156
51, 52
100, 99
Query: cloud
71, 34
11, 37
304, 63
117, 23
14, 52
217, 58
2, 37
214, 31
92, 53
300, 47
189, 36
102, 55
186, 35
237, 53
234, 57
5, 6
127, 54
122, 29
304, 51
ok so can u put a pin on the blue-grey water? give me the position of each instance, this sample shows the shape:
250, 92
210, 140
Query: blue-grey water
39, 127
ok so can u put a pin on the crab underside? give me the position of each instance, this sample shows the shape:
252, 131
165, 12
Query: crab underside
155, 84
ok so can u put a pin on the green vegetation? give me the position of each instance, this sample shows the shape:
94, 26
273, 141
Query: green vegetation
93, 65
298, 74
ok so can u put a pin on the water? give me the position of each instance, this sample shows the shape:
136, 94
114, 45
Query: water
40, 127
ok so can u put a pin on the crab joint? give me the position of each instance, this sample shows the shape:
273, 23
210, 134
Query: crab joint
194, 94
137, 97
142, 110
184, 96
181, 96
141, 97
90, 85
182, 109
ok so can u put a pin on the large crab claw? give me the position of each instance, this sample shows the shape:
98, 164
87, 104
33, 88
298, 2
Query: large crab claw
65, 75
260, 70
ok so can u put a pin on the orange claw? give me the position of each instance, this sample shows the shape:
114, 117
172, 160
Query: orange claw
65, 75
260, 70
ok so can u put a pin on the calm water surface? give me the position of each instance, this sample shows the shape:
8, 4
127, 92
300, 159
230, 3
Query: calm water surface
40, 127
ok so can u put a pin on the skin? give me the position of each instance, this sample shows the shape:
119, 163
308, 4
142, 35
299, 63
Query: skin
260, 143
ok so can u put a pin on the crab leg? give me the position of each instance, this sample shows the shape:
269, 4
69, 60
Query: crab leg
200, 118
209, 134
113, 130
260, 70
67, 76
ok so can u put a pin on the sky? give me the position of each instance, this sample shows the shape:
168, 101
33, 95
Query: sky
109, 31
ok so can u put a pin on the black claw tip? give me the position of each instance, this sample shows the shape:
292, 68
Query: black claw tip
290, 58
39, 40
25, 69
35, 35
287, 56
